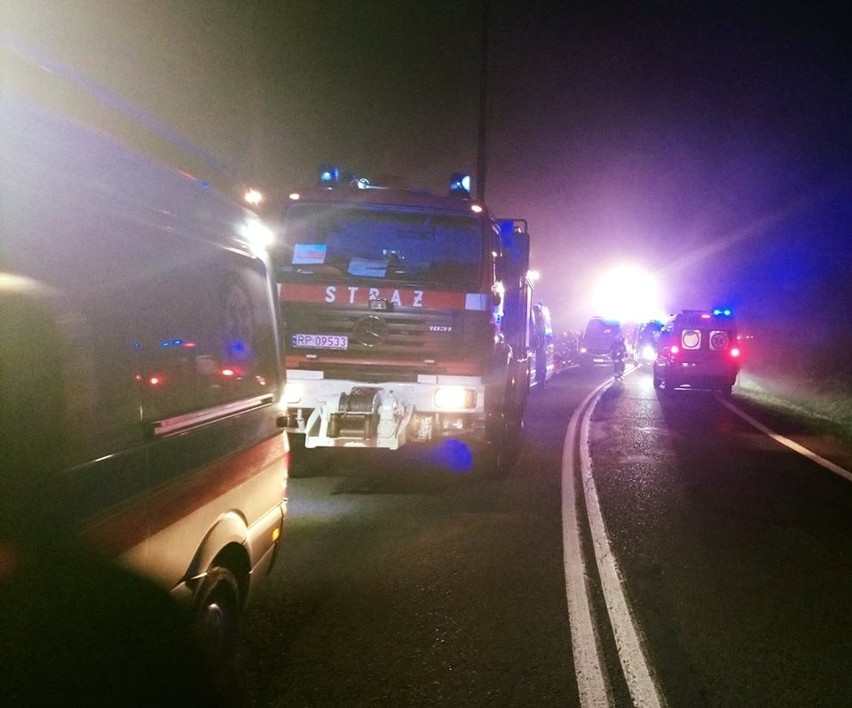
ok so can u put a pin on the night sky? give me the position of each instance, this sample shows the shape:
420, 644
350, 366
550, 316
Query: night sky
706, 142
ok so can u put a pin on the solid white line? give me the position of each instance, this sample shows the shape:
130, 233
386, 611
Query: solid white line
591, 683
837, 469
640, 683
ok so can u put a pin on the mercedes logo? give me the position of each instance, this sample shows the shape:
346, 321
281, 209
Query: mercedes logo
371, 331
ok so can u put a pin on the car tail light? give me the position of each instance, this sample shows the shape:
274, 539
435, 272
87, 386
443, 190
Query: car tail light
734, 352
675, 349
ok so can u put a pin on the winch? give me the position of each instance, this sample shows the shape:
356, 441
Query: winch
366, 416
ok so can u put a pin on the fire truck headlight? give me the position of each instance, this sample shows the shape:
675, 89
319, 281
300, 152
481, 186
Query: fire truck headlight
649, 353
293, 392
454, 398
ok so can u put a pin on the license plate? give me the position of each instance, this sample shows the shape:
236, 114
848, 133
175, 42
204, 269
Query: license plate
320, 341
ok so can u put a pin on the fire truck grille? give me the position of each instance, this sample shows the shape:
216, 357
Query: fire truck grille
433, 334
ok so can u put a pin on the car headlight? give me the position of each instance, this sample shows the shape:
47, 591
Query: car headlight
454, 397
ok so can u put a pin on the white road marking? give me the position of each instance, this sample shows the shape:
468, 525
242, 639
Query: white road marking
641, 685
828, 464
591, 683
590, 678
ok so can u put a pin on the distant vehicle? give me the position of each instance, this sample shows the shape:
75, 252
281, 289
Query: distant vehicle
647, 342
698, 349
542, 349
597, 339
140, 375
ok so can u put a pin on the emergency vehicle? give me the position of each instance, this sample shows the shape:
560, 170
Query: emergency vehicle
596, 342
647, 340
140, 373
698, 349
407, 319
543, 364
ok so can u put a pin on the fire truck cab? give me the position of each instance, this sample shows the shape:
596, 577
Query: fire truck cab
406, 318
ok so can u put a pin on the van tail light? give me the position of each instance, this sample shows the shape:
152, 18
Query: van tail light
675, 349
735, 352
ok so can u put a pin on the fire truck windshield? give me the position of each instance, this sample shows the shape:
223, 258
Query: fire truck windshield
342, 243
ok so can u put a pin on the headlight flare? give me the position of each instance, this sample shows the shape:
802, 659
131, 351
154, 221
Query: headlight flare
257, 235
454, 398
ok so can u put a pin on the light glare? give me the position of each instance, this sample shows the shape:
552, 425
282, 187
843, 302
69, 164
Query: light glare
454, 397
257, 234
628, 294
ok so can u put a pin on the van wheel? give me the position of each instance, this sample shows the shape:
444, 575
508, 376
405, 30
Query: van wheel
658, 382
217, 616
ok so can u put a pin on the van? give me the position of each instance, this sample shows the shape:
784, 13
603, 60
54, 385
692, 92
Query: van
698, 349
140, 375
597, 340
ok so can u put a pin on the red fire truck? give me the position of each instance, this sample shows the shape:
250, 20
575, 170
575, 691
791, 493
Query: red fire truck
406, 320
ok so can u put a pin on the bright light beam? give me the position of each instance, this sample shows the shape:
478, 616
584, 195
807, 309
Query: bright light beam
628, 294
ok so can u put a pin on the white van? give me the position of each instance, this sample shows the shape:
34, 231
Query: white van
139, 364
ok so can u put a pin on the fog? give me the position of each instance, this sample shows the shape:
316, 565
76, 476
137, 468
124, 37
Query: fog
705, 143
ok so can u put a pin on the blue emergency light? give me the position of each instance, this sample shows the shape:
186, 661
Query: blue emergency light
460, 185
722, 312
332, 176
329, 175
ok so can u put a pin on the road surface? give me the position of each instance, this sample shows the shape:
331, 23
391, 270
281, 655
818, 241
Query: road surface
723, 576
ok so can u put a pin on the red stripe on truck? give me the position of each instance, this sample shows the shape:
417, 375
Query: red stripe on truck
361, 295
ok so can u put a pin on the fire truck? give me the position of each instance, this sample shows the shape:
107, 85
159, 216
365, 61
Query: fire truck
406, 319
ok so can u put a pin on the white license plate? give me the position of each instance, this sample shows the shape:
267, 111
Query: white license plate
320, 341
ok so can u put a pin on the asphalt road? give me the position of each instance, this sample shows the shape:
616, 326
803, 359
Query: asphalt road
736, 554
402, 584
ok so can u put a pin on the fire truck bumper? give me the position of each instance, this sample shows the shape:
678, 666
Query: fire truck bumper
334, 413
